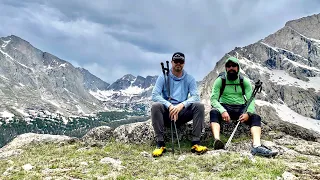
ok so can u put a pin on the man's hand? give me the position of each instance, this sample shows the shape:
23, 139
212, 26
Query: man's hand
225, 116
244, 117
174, 111
180, 107
175, 117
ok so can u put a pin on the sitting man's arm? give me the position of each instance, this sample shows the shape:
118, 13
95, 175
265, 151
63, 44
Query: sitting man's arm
215, 95
157, 92
194, 95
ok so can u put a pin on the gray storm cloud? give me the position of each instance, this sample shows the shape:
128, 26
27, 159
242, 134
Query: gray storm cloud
113, 38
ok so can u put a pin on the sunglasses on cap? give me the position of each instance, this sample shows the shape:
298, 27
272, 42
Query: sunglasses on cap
178, 61
231, 64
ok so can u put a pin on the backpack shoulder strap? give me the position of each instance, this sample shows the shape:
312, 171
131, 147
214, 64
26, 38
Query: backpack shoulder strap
242, 87
223, 85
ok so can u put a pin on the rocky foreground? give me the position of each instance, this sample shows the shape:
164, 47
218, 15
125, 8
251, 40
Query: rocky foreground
125, 153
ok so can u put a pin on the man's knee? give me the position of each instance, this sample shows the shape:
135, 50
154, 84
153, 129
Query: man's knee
198, 105
157, 107
214, 115
255, 120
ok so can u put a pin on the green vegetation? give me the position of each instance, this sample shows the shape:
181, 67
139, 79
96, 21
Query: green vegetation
76, 161
75, 126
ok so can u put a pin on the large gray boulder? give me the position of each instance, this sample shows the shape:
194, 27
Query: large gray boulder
140, 132
100, 133
16, 145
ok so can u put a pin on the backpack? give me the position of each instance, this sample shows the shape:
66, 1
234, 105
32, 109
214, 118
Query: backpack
222, 75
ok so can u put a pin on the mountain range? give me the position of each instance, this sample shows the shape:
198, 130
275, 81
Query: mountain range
287, 61
33, 81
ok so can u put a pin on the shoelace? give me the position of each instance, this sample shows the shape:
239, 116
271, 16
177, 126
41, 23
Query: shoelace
265, 149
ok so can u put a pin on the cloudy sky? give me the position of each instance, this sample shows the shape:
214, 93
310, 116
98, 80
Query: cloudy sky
118, 37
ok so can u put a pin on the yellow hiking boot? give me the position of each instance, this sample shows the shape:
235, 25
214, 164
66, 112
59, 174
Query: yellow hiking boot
158, 151
199, 149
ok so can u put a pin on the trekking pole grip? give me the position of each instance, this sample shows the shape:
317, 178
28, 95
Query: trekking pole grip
162, 66
258, 85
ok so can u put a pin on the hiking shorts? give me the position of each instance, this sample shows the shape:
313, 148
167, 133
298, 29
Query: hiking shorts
235, 112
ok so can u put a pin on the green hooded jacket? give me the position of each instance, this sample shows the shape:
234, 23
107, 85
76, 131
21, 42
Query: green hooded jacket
232, 94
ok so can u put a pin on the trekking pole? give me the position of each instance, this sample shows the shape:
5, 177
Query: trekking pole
258, 86
174, 122
166, 75
167, 82
168, 88
172, 138
177, 136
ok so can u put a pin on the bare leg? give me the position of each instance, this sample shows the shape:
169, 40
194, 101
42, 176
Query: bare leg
215, 128
256, 135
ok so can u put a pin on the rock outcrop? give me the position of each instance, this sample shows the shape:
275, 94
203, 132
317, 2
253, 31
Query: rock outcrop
14, 147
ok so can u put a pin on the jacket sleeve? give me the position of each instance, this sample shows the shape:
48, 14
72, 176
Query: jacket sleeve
248, 92
215, 95
194, 95
157, 92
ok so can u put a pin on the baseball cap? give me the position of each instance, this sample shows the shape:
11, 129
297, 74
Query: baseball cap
178, 56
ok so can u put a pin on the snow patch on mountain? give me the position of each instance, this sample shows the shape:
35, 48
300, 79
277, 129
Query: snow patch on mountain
290, 52
5, 43
13, 60
311, 39
79, 109
132, 90
252, 65
6, 114
277, 49
287, 114
49, 67
282, 78
301, 65
102, 95
21, 111
3, 77
63, 65
273, 48
107, 95
52, 102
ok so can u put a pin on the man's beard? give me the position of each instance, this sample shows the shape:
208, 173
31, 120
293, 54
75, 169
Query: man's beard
232, 75
178, 69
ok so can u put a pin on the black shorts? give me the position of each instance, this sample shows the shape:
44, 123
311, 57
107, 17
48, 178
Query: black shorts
235, 112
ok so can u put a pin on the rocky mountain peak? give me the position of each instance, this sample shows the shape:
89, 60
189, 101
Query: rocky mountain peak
308, 26
92, 82
122, 83
144, 83
34, 80
53, 61
128, 77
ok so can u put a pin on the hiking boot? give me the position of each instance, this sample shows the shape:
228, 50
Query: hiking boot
263, 151
198, 149
218, 144
159, 151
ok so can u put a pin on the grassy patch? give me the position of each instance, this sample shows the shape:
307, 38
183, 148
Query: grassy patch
302, 159
77, 161
290, 146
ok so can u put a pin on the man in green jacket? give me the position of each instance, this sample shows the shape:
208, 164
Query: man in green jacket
230, 105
